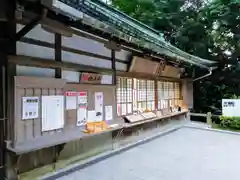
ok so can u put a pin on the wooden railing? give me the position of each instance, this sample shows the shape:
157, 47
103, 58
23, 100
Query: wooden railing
208, 116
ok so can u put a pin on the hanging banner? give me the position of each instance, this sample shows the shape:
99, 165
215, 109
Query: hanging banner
82, 108
99, 105
91, 78
30, 107
71, 100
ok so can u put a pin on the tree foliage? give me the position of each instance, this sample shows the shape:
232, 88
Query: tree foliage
208, 29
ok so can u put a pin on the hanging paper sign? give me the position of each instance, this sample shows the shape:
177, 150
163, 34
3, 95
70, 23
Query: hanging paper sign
91, 78
71, 100
99, 106
82, 108
30, 107
108, 113
118, 109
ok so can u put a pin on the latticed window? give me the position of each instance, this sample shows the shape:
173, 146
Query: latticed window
137, 94
145, 95
124, 96
177, 93
150, 95
168, 94
162, 94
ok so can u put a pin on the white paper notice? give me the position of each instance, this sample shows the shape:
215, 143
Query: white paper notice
52, 112
91, 117
82, 108
99, 105
108, 113
30, 107
71, 100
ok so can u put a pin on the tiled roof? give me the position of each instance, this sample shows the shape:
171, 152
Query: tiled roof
103, 17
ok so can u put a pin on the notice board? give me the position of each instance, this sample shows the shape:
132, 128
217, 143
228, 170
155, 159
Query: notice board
108, 92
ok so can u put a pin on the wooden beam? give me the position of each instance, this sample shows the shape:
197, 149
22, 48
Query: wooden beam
146, 76
68, 49
47, 63
25, 30
89, 33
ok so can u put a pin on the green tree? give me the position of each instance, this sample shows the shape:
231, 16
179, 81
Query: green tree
208, 29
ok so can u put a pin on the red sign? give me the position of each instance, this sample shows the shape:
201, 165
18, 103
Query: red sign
82, 94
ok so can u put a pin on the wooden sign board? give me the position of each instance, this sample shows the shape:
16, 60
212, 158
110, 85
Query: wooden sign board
91, 78
149, 115
165, 111
171, 71
142, 65
133, 118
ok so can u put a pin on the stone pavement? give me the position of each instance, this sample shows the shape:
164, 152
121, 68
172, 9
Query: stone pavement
186, 154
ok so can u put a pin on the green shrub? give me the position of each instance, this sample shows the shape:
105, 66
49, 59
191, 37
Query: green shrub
230, 122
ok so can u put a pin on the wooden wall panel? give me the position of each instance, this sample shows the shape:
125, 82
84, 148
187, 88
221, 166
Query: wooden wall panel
37, 122
19, 124
28, 124
33, 86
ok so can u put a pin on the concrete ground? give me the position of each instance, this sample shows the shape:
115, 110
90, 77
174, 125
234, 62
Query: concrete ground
185, 154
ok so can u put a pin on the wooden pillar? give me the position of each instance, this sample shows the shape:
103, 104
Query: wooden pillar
113, 46
3, 118
113, 56
58, 54
7, 72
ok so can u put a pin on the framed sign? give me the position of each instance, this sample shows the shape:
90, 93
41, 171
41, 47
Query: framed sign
230, 107
30, 106
91, 78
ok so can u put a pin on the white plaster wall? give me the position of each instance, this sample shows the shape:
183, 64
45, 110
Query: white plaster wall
35, 71
84, 44
35, 51
121, 66
85, 60
71, 76
75, 42
88, 45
